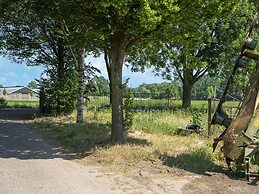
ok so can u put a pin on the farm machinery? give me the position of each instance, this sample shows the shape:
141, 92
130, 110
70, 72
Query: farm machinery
241, 135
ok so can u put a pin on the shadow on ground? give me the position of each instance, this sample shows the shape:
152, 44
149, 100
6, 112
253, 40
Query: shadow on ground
13, 114
81, 139
198, 161
22, 141
19, 140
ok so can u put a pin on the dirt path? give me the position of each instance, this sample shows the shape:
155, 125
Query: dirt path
30, 165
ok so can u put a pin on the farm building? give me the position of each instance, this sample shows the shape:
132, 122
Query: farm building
18, 93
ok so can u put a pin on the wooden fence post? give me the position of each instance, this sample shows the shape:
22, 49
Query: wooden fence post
209, 116
95, 113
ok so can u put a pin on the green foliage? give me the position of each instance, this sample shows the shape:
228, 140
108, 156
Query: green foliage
102, 86
4, 92
60, 92
3, 102
33, 85
164, 90
207, 42
196, 118
211, 91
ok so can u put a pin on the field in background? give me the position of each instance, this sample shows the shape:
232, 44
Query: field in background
145, 104
22, 103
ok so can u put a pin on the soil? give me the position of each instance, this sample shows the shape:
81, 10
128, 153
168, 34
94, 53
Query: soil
29, 163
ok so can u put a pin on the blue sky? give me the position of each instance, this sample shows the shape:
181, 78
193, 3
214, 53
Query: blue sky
12, 74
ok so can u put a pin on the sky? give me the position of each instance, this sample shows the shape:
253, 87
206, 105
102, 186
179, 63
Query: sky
12, 74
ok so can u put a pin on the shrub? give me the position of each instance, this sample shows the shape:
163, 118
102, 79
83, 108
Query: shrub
3, 102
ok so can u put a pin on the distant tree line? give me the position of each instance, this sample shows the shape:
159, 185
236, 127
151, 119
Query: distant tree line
206, 87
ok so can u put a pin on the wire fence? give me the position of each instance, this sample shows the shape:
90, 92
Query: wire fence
144, 102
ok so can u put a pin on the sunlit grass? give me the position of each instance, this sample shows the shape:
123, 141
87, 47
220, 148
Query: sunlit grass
22, 103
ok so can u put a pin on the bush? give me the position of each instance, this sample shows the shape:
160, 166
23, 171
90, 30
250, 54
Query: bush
3, 102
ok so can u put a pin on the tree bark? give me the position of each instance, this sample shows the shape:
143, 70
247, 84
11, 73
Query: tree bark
117, 54
187, 88
187, 95
80, 95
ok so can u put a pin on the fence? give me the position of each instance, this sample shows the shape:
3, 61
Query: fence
144, 103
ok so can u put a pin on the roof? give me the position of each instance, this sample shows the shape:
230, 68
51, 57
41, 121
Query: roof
13, 89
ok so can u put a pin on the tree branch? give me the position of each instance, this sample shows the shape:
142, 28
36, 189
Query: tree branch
179, 73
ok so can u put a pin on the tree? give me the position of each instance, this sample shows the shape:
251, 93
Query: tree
28, 36
165, 90
33, 85
119, 25
1, 85
196, 53
115, 26
102, 85
4, 92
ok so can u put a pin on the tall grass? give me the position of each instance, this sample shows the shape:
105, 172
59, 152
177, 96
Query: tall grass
165, 122
140, 104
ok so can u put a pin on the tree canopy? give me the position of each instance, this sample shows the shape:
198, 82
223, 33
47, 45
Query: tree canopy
214, 44
113, 27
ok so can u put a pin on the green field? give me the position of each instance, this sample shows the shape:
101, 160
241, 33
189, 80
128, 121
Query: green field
160, 104
22, 104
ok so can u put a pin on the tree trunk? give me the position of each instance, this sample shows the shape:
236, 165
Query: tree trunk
80, 95
187, 88
117, 54
187, 95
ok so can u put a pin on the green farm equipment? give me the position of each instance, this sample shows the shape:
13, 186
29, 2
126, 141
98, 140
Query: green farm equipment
241, 134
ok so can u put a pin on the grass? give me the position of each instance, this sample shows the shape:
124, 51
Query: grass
148, 140
165, 122
22, 103
143, 105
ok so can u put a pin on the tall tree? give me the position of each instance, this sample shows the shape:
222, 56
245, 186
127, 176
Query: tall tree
115, 26
80, 90
27, 35
212, 45
118, 25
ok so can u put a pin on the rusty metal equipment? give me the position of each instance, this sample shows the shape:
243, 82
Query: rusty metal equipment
241, 134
